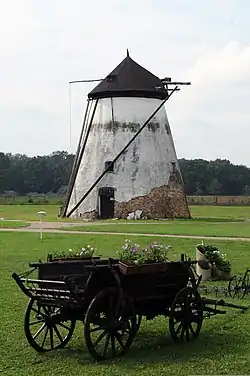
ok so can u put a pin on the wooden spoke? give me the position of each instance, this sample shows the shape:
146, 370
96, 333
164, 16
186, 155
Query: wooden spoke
39, 330
36, 322
64, 326
57, 333
100, 338
38, 312
119, 339
106, 344
45, 336
191, 329
179, 328
51, 337
113, 345
97, 329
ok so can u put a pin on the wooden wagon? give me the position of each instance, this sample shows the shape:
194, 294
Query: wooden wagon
110, 298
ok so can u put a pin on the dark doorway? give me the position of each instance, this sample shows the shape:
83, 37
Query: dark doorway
107, 202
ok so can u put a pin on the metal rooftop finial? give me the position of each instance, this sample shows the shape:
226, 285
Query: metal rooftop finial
127, 52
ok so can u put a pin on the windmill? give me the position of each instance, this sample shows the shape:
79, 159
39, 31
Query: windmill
126, 159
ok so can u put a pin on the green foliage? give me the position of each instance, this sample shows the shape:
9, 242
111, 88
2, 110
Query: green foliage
50, 173
219, 177
131, 253
40, 174
4, 166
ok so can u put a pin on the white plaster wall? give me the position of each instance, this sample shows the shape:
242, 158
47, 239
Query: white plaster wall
146, 163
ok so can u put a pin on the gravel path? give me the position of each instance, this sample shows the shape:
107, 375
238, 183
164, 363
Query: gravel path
53, 225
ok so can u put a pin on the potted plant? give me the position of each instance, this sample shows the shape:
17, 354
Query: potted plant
221, 267
137, 260
85, 253
67, 263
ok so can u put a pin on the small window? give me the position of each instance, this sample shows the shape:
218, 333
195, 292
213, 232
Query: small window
110, 166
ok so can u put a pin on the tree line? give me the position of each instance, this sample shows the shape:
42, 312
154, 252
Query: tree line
24, 175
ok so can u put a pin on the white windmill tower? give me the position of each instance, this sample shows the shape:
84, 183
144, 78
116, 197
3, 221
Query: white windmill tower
126, 159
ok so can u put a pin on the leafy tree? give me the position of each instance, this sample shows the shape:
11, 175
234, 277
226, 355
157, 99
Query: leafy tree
4, 166
50, 173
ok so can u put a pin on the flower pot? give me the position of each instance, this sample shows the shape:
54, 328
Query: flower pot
50, 258
154, 268
205, 273
221, 275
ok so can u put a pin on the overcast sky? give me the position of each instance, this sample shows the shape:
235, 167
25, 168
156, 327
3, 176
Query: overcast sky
46, 43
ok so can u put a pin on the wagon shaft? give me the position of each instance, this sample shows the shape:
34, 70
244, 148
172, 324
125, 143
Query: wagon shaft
207, 303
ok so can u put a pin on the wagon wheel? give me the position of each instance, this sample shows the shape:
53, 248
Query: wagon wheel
236, 288
110, 325
186, 315
44, 328
245, 284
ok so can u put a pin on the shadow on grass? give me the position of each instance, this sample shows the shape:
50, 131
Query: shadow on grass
152, 347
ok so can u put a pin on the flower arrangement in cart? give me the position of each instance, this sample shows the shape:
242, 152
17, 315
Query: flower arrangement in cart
86, 252
135, 259
134, 254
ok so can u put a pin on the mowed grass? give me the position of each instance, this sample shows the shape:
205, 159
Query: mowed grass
13, 224
29, 212
207, 212
222, 347
216, 212
240, 229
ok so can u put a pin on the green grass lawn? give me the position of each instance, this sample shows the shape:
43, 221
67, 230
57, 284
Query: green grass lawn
238, 229
28, 212
212, 213
215, 212
13, 224
222, 347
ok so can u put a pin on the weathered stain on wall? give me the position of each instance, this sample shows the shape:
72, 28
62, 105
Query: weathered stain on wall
113, 126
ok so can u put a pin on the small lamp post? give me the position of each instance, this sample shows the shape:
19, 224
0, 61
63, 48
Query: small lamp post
41, 215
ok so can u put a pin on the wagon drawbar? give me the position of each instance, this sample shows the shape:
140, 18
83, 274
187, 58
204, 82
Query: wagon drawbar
111, 303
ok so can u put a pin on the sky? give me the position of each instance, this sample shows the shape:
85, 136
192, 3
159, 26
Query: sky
45, 44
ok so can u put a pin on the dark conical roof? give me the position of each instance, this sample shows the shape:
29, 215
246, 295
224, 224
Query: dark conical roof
129, 79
